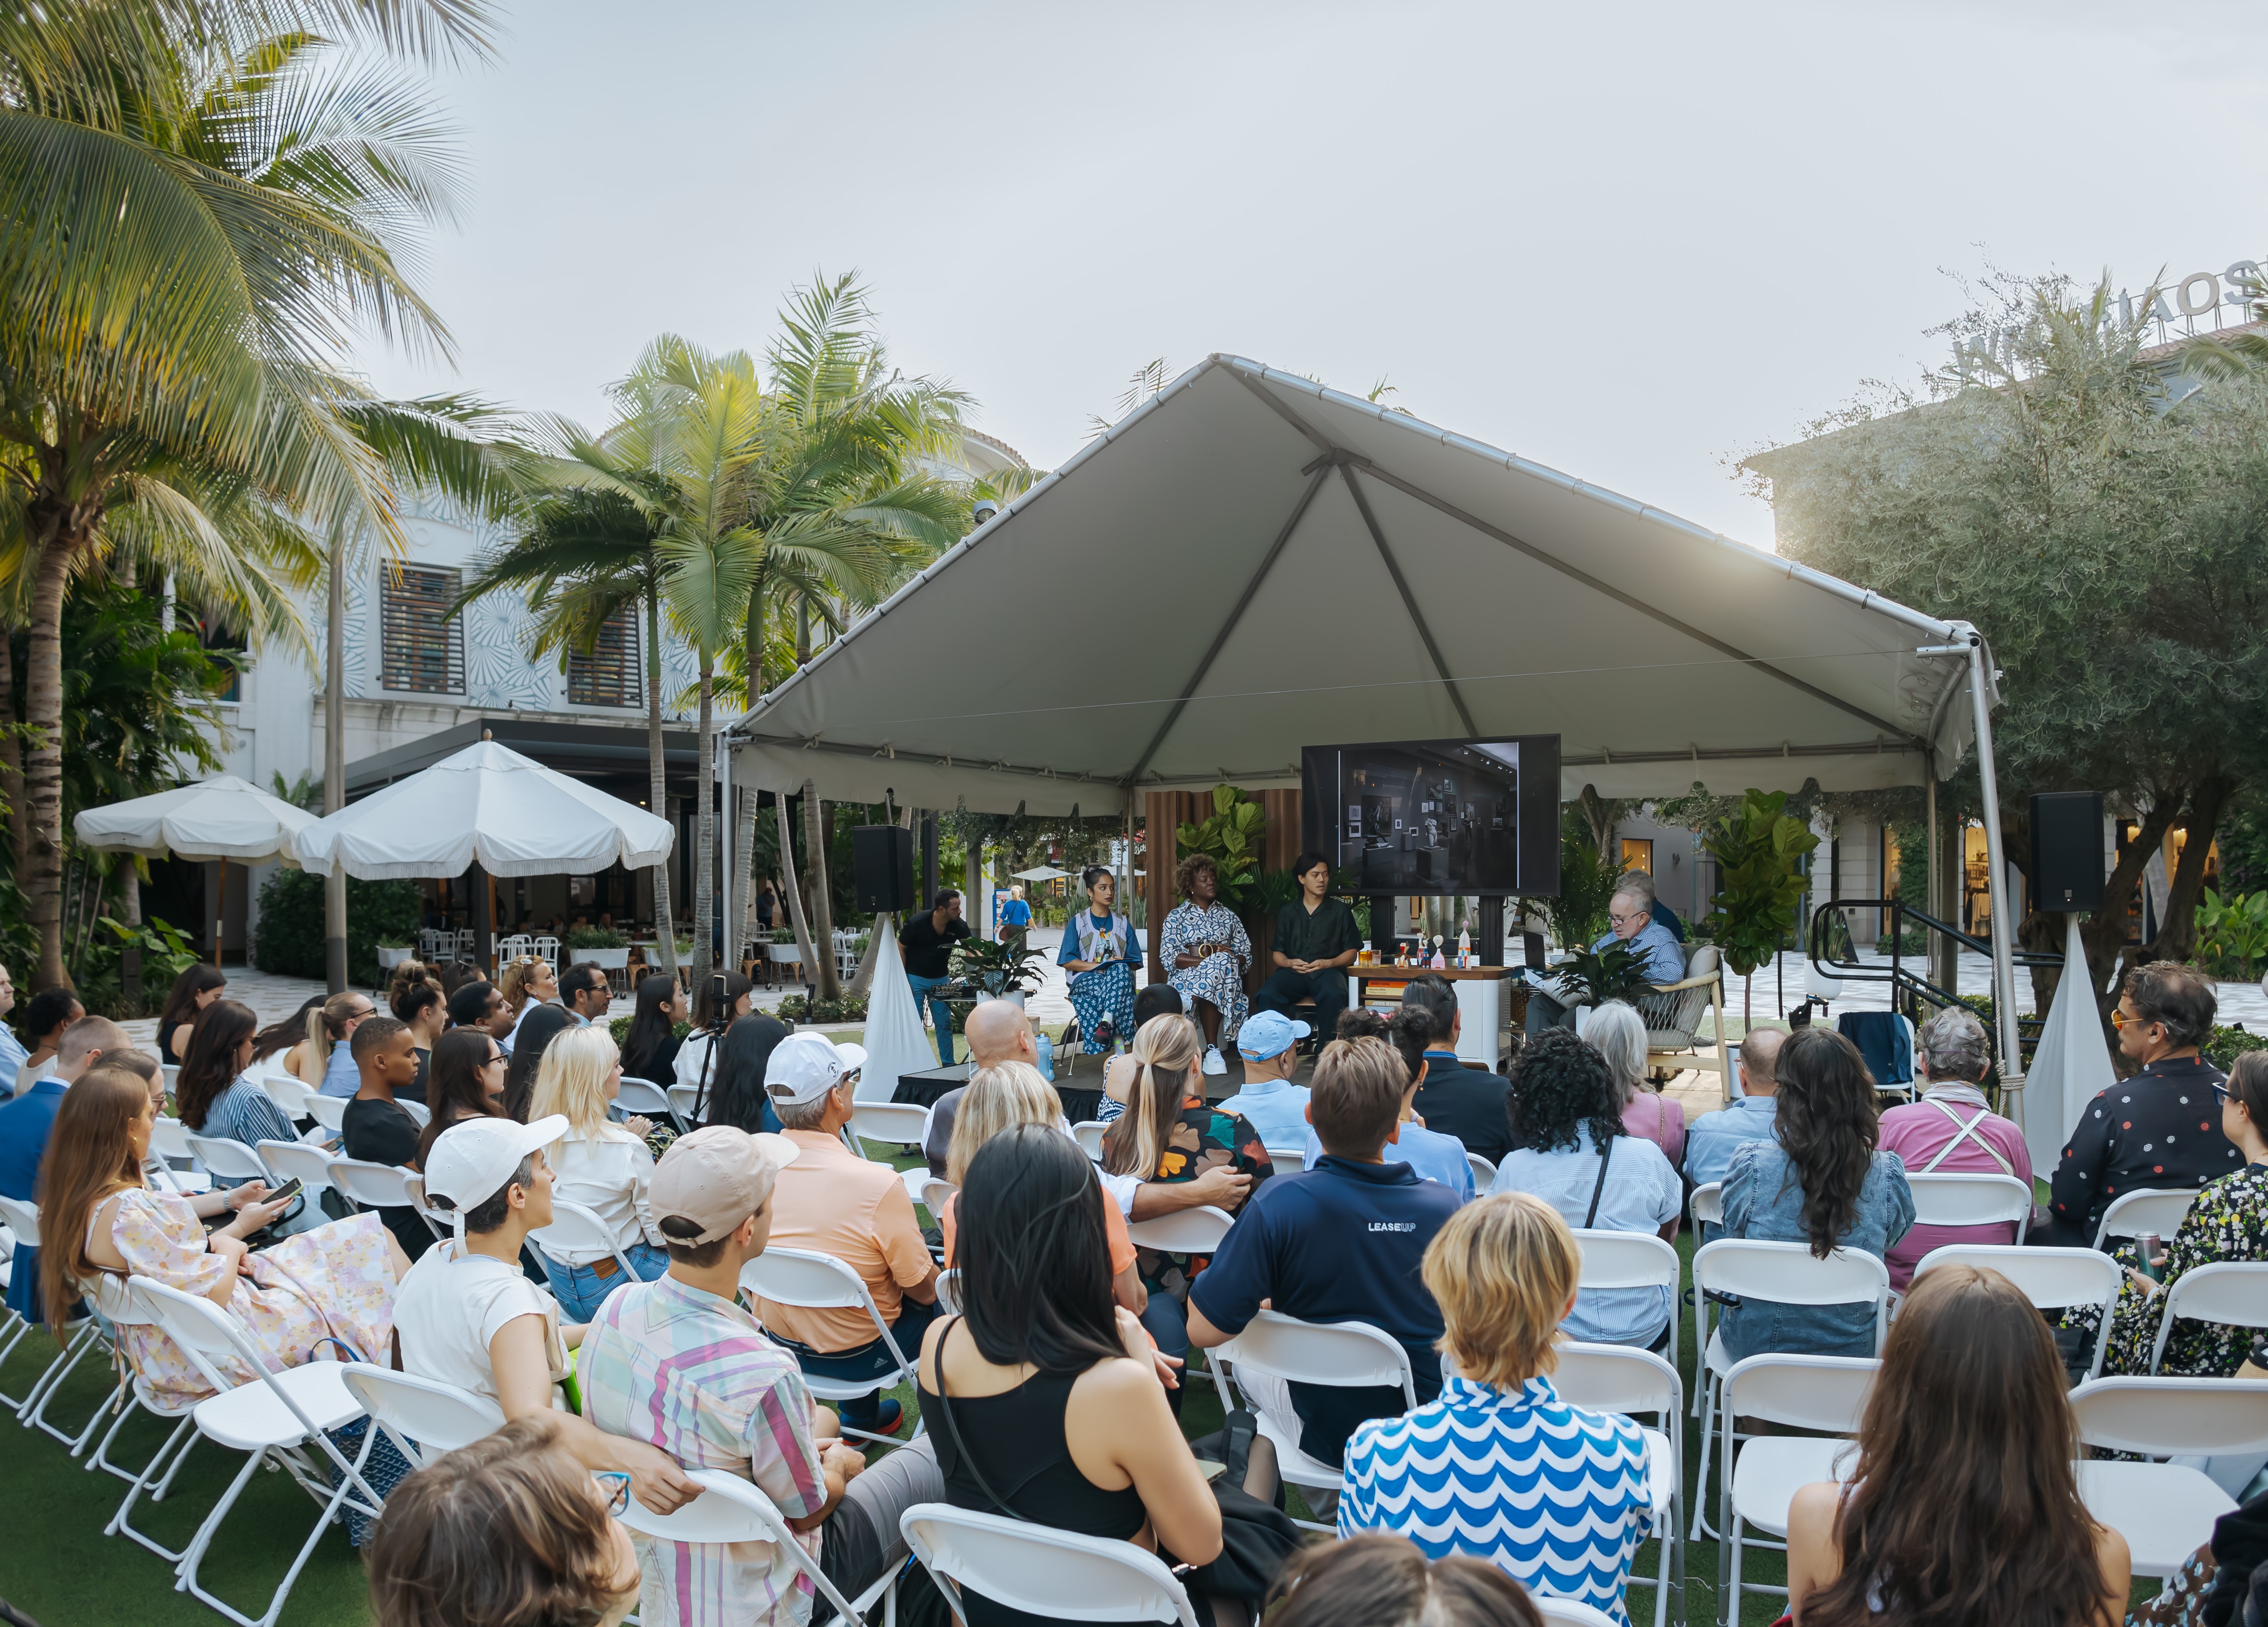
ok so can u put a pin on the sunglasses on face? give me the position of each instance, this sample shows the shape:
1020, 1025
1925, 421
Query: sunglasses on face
2122, 1020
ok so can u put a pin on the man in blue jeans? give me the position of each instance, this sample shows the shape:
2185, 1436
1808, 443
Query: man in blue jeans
927, 940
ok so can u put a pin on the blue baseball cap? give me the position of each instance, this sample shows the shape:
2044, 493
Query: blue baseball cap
1268, 1034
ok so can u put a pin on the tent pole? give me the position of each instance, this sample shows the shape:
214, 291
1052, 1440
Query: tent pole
220, 910
728, 821
2004, 965
1410, 602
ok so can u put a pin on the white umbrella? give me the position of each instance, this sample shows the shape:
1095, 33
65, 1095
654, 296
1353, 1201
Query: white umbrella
1046, 872
223, 818
487, 805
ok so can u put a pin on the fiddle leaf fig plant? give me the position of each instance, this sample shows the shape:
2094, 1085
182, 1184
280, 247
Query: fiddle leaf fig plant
1759, 849
1231, 838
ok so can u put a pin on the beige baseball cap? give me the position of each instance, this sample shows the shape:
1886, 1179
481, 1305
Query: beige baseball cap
717, 1178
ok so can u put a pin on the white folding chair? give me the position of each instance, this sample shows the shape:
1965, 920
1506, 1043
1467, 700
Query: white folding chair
2231, 1292
927, 1191
1049, 1573
418, 1111
1183, 1230
1288, 1160
311, 1165
1782, 1273
366, 1185
2159, 1209
228, 1161
733, 1509
441, 1224
169, 1139
23, 1219
577, 1226
1483, 1172
121, 1302
948, 1290
1558, 1612
648, 1099
885, 1125
1630, 1260
1348, 1355
1617, 1378
2165, 1511
1971, 1200
1088, 1133
287, 1091
682, 1102
808, 1280
1826, 1393
1705, 1208
274, 1418
423, 1417
2051, 1278
329, 1113
546, 948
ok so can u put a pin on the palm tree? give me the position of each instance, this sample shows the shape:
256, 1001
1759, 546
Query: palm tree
200, 199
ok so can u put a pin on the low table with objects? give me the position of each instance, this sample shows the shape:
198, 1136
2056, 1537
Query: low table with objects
1482, 1001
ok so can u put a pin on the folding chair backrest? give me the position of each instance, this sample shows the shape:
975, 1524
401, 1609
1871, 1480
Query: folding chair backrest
115, 1297
1709, 1205
287, 1158
1088, 1133
948, 1290
1968, 1200
2156, 1211
2173, 1417
1041, 1571
441, 1224
807, 1280
2235, 1292
227, 1160
577, 1226
1568, 1612
1483, 1172
1809, 1391
1626, 1259
23, 1219
927, 1190
1347, 1354
1617, 1378
371, 1186
681, 1100
643, 1097
437, 1417
2048, 1277
731, 1509
330, 1112
208, 1335
288, 1092
1185, 1232
1790, 1272
1288, 1160
418, 1111
888, 1124
169, 1138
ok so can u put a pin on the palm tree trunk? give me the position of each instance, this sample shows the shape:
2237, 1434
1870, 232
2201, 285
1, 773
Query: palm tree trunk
704, 827
795, 914
335, 767
42, 877
822, 907
11, 754
665, 948
752, 669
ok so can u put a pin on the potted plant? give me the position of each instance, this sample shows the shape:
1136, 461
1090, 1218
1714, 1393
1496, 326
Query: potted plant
1759, 852
783, 951
1002, 971
392, 951
602, 946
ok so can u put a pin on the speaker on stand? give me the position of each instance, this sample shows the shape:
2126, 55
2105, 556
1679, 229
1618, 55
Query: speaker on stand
882, 868
2067, 873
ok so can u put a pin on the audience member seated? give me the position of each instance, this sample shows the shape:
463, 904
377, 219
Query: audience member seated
528, 983
533, 1034
511, 1531
1594, 1174
479, 1004
1967, 1441
1952, 1130
466, 1316
1269, 1043
650, 1048
1118, 1074
1553, 1495
193, 991
329, 1027
1385, 1582
1100, 950
51, 1011
1316, 941
212, 1095
1457, 1097
1042, 1397
693, 1055
338, 1281
1617, 1032
602, 1165
2229, 1222
1435, 1156
679, 1364
1341, 1242
11, 1050
467, 1082
996, 1031
1820, 1182
2136, 1134
832, 1201
418, 1002
290, 1038
1169, 1137
584, 992
737, 1096
1630, 920
1753, 1115
377, 1129
27, 1122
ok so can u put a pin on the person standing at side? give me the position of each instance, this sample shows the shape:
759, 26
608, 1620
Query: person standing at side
1316, 941
928, 938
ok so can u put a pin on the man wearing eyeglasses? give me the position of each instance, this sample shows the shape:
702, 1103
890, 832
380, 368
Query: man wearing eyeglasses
2159, 1127
1630, 919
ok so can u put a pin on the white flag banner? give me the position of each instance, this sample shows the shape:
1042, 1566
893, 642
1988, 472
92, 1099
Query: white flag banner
2071, 1064
895, 1041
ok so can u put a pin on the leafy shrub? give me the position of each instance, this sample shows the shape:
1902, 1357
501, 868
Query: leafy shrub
290, 938
803, 1009
2229, 1043
595, 938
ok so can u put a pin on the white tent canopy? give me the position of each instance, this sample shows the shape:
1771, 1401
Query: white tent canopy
485, 805
224, 817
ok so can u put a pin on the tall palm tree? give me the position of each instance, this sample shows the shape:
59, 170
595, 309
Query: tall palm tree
200, 200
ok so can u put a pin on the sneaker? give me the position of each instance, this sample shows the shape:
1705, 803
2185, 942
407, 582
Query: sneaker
1213, 1063
889, 1418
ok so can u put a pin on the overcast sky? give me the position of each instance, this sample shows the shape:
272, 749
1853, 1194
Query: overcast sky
1632, 241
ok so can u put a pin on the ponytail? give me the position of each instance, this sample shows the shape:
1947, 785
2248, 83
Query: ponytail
1164, 1049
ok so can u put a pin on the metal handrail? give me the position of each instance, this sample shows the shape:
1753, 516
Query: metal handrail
1913, 986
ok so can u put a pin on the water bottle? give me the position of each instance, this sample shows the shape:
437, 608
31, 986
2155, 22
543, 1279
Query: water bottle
1047, 1050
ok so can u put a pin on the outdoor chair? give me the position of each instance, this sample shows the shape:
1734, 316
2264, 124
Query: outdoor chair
123, 1302
1615, 1377
366, 1185
423, 1417
287, 1158
2051, 1278
1347, 1355
733, 1509
1088, 1133
1631, 1260
1558, 1612
546, 948
23, 1219
437, 1221
1705, 1208
1971, 1200
329, 1113
815, 1282
276, 1418
683, 1100
1037, 1568
574, 1225
2231, 1292
927, 1190
169, 1139
1288, 1160
287, 1091
228, 1161
948, 1290
1183, 1231
643, 1097
1484, 1172
1822, 1393
2159, 1209
418, 1111
2165, 1511
885, 1124
1672, 1013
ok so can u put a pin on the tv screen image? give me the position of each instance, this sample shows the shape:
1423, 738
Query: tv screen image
1424, 816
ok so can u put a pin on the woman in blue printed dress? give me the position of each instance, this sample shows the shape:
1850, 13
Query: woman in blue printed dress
1099, 953
1206, 952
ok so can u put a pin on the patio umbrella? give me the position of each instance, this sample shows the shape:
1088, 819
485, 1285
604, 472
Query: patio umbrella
1045, 872
221, 818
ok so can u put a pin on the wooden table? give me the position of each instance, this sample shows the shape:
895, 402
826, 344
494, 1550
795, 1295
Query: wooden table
1482, 993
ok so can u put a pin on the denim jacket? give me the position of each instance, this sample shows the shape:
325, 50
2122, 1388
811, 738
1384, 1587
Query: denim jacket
1763, 1201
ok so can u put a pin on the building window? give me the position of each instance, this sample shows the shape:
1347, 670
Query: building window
608, 676
1637, 853
422, 650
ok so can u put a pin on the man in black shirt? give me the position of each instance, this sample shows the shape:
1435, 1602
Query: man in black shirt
1468, 1103
928, 939
2160, 1127
1315, 942
375, 1129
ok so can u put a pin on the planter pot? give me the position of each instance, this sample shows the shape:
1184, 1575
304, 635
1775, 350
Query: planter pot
389, 958
605, 959
785, 954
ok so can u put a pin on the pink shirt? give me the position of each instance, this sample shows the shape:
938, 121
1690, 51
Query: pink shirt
1661, 1121
1919, 1132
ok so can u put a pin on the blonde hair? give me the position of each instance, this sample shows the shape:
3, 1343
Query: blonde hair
1617, 1032
999, 1097
1503, 1271
327, 1024
1165, 1049
512, 981
571, 1081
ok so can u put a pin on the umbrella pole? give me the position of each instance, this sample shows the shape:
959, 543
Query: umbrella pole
220, 909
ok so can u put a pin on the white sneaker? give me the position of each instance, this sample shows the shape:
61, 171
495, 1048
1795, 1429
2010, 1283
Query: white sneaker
1213, 1063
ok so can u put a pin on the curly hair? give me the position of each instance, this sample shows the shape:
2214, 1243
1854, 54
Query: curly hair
1829, 1128
1188, 869
1563, 1087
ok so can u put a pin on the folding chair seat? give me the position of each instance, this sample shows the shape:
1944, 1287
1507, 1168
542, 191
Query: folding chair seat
2051, 1278
809, 1281
1347, 1355
1617, 1378
1825, 1392
1053, 1574
2165, 1511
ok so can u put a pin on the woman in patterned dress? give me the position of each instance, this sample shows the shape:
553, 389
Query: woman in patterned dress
1098, 951
1206, 952
336, 1281
2229, 1222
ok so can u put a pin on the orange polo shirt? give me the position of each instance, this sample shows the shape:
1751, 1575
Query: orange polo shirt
831, 1202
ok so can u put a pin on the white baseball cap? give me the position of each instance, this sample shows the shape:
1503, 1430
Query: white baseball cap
804, 1067
473, 1159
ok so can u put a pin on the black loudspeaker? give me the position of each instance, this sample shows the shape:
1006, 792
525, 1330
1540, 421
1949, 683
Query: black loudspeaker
882, 868
2067, 851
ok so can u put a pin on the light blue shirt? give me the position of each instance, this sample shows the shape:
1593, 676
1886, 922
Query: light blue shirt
12, 1055
1275, 1107
1435, 1156
341, 1077
1642, 1192
1711, 1139
1658, 950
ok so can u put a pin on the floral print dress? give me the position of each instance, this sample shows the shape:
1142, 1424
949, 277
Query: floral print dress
336, 1281
2229, 1222
1201, 1138
1217, 978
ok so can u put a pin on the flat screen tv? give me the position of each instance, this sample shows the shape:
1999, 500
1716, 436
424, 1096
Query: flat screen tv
1421, 816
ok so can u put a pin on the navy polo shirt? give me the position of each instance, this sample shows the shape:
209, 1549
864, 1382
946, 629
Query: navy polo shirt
1341, 1242
25, 1124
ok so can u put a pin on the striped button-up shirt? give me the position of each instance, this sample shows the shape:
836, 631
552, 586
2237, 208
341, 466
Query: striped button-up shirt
246, 1113
694, 1375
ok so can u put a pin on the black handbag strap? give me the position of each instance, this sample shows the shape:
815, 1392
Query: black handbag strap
952, 1428
1600, 1186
